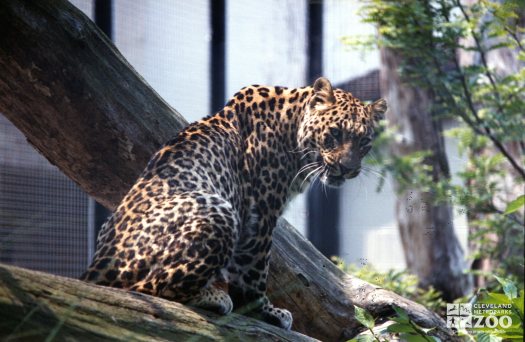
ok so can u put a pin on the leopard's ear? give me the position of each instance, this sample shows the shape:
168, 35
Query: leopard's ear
323, 94
378, 109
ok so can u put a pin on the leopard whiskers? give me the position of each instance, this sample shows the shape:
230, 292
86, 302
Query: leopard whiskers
323, 185
374, 158
374, 172
299, 151
306, 151
315, 163
378, 175
308, 175
306, 167
306, 154
362, 185
316, 178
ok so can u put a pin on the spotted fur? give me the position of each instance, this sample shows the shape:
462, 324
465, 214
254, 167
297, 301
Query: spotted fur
204, 208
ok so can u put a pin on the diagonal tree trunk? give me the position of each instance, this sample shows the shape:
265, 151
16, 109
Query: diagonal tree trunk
432, 250
95, 113
66, 87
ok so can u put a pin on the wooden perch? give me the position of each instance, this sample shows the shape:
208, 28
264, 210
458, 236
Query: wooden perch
77, 100
74, 310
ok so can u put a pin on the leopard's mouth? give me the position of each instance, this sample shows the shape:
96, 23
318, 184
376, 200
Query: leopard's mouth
352, 174
330, 174
336, 180
332, 181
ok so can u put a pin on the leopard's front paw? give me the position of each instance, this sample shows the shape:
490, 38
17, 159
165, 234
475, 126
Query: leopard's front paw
277, 316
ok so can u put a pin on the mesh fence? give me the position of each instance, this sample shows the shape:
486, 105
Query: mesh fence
167, 42
43, 214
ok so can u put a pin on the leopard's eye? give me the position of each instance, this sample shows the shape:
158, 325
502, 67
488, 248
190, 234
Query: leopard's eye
329, 142
336, 133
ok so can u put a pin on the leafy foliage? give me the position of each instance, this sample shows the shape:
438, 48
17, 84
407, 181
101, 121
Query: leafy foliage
515, 205
407, 330
403, 326
487, 101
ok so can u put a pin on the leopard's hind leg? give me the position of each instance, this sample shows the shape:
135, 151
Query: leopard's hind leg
207, 297
199, 249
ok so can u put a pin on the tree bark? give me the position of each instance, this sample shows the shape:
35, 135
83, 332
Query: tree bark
66, 87
71, 310
432, 250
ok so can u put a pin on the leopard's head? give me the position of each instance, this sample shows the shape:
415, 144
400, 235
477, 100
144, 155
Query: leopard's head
336, 132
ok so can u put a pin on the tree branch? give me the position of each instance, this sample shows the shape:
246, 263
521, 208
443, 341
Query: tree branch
515, 37
481, 52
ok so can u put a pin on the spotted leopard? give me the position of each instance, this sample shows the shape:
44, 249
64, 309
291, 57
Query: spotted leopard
204, 208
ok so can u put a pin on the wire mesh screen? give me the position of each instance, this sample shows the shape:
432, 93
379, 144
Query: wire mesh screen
43, 214
365, 88
167, 42
266, 43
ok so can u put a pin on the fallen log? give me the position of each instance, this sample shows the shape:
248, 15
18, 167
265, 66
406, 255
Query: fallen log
62, 309
77, 100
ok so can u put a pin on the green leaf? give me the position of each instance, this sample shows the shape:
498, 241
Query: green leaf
402, 316
515, 205
508, 336
518, 303
484, 337
364, 317
496, 298
400, 328
508, 287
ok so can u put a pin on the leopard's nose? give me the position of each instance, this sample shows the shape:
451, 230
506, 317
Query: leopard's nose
349, 168
349, 172
344, 169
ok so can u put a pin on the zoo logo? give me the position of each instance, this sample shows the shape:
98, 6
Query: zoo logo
491, 316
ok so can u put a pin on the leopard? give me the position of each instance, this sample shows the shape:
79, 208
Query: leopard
203, 210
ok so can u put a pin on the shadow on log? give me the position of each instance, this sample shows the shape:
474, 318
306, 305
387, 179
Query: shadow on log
77, 100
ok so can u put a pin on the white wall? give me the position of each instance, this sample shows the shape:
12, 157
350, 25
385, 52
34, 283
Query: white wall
86, 6
340, 62
368, 225
266, 43
167, 42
